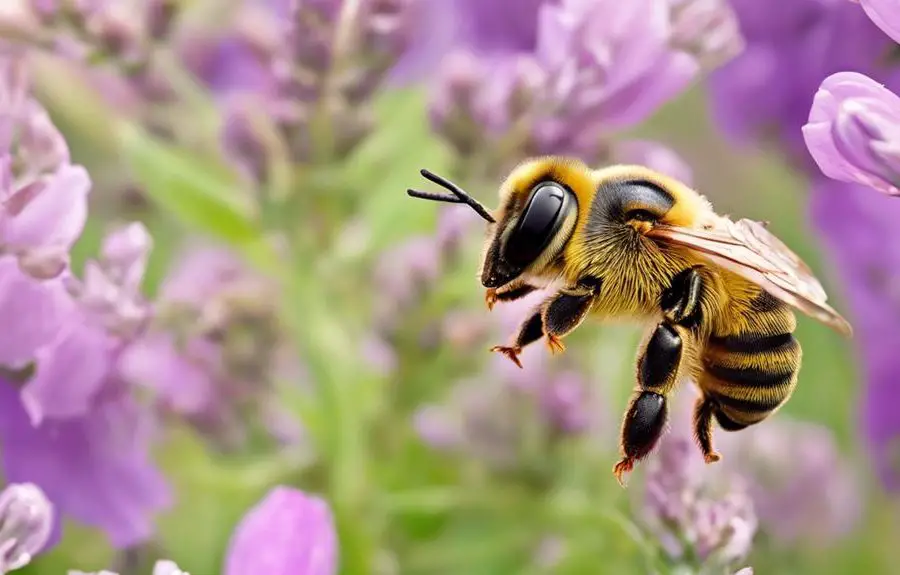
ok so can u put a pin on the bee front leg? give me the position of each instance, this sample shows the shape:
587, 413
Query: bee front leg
565, 311
531, 330
658, 369
512, 291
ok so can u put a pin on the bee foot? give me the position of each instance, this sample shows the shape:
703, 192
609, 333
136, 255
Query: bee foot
490, 298
555, 344
626, 465
711, 457
511, 352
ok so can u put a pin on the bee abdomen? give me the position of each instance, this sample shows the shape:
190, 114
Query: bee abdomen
749, 375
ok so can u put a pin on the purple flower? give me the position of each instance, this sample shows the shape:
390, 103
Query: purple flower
26, 518
74, 429
768, 88
594, 69
860, 234
95, 468
44, 206
287, 532
695, 514
853, 132
609, 65
212, 354
884, 14
801, 486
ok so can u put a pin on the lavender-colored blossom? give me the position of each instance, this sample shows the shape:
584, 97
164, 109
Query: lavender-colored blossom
802, 489
596, 68
26, 518
95, 469
859, 231
108, 312
74, 429
853, 132
609, 66
44, 210
694, 514
767, 89
212, 354
287, 532
884, 14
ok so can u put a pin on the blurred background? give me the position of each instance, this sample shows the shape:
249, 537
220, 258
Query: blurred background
288, 316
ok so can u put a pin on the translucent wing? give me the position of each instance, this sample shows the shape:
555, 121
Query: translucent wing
748, 249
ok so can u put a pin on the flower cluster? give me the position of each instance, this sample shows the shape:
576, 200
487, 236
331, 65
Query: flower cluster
585, 76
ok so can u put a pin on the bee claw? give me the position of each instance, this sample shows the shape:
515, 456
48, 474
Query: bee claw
555, 344
490, 298
511, 352
625, 465
711, 457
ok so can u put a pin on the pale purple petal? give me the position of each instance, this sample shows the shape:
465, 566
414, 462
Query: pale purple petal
26, 520
287, 533
853, 132
48, 307
885, 14
69, 372
95, 469
56, 212
182, 379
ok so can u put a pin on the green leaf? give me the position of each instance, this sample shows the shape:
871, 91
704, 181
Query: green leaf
389, 163
196, 192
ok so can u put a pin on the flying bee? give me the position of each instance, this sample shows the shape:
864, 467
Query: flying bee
624, 242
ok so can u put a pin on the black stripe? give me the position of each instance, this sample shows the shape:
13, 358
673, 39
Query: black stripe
763, 405
726, 422
750, 377
765, 302
755, 342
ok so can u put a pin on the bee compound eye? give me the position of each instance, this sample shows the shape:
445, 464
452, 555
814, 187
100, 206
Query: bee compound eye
539, 222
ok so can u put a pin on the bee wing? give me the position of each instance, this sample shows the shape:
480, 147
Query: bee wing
748, 249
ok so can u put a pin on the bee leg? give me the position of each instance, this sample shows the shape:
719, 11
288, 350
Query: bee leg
681, 302
645, 419
529, 332
658, 369
510, 292
565, 311
704, 409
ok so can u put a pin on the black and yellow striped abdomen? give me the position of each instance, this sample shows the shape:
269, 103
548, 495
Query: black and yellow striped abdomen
750, 363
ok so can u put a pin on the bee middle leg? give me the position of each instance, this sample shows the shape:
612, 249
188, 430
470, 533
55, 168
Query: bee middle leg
565, 311
658, 369
557, 316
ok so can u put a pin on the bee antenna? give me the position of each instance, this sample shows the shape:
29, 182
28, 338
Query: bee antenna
459, 195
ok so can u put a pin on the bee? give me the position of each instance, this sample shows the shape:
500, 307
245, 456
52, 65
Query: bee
624, 242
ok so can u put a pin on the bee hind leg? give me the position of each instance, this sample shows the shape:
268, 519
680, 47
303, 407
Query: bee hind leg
645, 419
658, 369
704, 410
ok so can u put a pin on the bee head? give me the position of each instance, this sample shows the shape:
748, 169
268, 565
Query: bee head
538, 211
